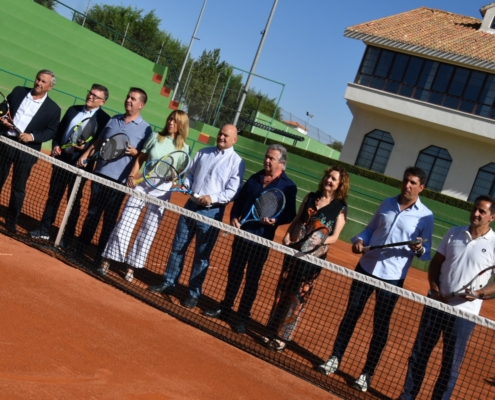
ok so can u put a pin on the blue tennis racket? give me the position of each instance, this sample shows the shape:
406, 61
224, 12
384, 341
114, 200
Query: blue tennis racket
269, 204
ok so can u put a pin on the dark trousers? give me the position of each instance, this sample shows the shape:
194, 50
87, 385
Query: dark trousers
456, 332
384, 307
22, 164
252, 257
61, 180
103, 201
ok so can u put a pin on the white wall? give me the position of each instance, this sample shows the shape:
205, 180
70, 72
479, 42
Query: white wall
468, 154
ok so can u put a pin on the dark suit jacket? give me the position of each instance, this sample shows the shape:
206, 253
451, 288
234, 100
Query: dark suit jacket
101, 118
44, 123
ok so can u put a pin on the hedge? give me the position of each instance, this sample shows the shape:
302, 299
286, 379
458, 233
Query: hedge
374, 176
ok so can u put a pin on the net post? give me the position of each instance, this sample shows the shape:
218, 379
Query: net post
68, 210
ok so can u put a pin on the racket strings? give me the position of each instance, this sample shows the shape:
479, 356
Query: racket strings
85, 131
480, 282
114, 147
268, 204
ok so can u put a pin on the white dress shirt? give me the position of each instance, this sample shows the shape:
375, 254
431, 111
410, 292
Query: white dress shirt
216, 173
25, 113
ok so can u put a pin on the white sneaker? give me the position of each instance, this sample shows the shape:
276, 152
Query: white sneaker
363, 382
330, 367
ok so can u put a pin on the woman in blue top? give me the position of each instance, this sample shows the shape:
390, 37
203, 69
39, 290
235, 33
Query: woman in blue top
171, 138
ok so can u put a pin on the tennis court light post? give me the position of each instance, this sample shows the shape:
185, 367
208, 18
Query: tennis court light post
255, 62
189, 50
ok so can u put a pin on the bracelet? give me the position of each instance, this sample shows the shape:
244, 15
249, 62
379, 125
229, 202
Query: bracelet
419, 252
131, 176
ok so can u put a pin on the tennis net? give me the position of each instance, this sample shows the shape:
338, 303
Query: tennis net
300, 298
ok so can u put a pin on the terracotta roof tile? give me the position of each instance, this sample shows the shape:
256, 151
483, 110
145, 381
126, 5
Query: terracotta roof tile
433, 29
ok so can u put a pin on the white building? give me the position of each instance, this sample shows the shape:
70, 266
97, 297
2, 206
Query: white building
424, 95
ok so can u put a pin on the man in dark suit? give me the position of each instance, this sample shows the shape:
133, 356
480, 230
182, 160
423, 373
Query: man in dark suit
61, 178
37, 116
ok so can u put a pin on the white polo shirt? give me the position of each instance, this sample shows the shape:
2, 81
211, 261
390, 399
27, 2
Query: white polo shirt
464, 258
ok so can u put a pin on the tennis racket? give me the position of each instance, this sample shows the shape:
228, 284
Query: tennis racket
384, 246
312, 241
82, 133
166, 169
5, 113
269, 204
112, 148
480, 281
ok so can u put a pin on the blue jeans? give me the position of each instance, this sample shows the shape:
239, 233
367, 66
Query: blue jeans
206, 236
384, 307
456, 332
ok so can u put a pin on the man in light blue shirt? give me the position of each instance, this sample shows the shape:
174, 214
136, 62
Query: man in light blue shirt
105, 201
398, 219
215, 177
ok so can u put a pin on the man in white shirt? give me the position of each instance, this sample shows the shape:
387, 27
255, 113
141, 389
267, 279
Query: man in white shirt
463, 252
37, 117
216, 176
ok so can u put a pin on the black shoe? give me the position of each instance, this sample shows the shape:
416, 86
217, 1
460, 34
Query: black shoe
213, 313
190, 302
164, 288
240, 327
11, 228
37, 234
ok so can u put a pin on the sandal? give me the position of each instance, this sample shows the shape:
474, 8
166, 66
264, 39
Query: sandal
276, 345
129, 277
104, 267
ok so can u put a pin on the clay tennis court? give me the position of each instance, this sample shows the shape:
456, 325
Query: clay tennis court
69, 334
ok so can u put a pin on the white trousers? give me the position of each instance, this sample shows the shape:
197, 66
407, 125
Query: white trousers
116, 248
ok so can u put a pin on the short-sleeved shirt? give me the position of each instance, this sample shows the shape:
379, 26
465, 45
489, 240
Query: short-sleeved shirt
157, 149
464, 258
138, 132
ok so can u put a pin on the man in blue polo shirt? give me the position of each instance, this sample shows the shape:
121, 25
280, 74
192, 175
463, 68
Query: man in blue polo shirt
104, 200
245, 252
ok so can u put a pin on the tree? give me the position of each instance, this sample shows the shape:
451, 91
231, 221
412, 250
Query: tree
336, 145
50, 4
143, 35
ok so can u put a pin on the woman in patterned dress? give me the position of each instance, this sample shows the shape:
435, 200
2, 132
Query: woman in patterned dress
321, 218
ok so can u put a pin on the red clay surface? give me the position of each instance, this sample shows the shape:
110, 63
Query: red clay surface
67, 335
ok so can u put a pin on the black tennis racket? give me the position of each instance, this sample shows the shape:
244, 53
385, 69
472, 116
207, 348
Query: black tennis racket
82, 133
384, 246
167, 169
479, 282
112, 148
312, 240
5, 113
269, 204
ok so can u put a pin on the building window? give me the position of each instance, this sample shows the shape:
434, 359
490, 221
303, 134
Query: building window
375, 151
435, 162
484, 183
446, 85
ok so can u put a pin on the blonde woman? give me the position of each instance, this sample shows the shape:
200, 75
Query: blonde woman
171, 138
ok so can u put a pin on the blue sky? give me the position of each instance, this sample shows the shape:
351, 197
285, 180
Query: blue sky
305, 48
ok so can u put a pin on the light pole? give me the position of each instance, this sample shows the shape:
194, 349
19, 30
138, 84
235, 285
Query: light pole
309, 117
189, 50
255, 62
87, 9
